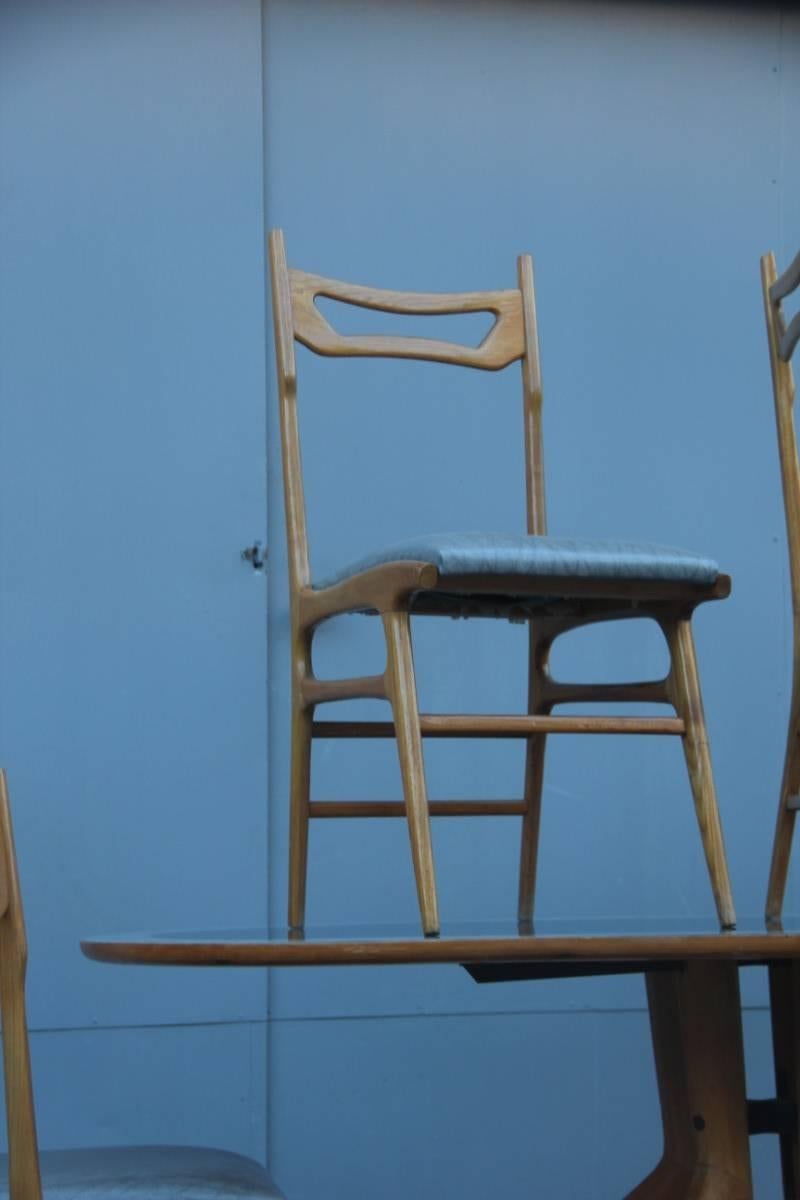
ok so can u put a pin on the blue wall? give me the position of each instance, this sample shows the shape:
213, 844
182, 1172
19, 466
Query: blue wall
642, 153
132, 640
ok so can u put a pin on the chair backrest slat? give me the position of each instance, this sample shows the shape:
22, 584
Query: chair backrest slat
786, 283
789, 337
786, 337
503, 344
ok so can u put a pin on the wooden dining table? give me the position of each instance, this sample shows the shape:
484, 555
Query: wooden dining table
694, 1000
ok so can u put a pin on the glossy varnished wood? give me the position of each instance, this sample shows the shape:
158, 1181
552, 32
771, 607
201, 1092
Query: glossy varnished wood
491, 943
481, 725
503, 344
696, 1025
783, 386
784, 987
684, 692
402, 692
23, 1153
693, 1000
550, 605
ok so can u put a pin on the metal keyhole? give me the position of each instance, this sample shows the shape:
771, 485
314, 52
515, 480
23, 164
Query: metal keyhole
254, 555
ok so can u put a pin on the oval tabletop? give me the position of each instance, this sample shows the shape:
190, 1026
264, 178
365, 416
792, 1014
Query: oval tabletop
607, 941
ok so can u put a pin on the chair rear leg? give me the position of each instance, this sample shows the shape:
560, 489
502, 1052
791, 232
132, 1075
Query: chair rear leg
534, 778
302, 719
531, 822
684, 694
402, 693
779, 867
784, 826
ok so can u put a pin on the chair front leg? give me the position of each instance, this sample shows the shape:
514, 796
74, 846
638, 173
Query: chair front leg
538, 649
401, 690
784, 826
300, 787
683, 689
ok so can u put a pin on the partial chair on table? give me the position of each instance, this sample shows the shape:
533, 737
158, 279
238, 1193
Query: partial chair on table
783, 339
133, 1172
554, 584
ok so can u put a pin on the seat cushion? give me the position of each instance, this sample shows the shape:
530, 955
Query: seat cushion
150, 1173
522, 554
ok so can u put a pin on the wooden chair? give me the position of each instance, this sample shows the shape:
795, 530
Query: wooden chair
135, 1172
555, 584
782, 343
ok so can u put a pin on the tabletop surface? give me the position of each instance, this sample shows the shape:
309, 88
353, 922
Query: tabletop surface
611, 940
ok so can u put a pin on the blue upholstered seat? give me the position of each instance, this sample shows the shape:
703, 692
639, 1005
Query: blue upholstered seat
521, 554
150, 1173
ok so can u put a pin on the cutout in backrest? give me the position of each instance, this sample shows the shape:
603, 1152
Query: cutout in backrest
351, 320
503, 344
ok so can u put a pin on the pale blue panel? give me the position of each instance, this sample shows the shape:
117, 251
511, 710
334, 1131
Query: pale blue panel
546, 1105
132, 643
558, 129
198, 1085
558, 1105
788, 185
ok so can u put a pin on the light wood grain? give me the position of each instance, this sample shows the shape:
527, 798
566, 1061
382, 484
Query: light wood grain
684, 689
443, 725
789, 338
783, 389
503, 344
539, 708
532, 402
695, 1017
782, 286
23, 1152
323, 691
552, 605
402, 691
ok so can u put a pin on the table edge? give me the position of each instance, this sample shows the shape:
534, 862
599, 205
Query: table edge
744, 947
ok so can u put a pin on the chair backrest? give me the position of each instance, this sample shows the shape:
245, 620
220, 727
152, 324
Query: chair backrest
512, 338
23, 1153
783, 340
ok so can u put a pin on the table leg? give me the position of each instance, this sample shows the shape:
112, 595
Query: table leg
695, 1018
784, 995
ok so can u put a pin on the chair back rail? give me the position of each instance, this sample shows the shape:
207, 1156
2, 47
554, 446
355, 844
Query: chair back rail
503, 344
788, 282
512, 338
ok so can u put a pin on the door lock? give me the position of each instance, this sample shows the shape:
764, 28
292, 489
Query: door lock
256, 556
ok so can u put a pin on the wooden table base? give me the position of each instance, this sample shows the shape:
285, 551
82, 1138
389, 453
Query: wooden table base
695, 1017
784, 995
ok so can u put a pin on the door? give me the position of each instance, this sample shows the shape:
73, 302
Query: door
132, 469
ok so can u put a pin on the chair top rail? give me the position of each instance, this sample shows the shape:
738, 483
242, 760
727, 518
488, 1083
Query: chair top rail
786, 283
502, 345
